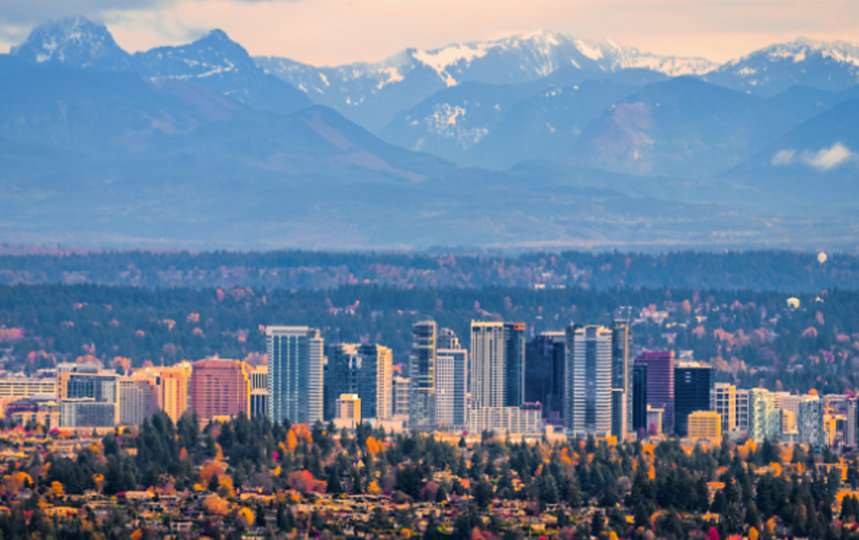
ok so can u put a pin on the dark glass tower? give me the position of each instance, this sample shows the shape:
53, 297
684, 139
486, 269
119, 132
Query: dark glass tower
693, 386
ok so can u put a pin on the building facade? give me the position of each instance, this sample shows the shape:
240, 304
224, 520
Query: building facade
588, 408
295, 374
693, 391
451, 397
660, 384
422, 376
220, 387
725, 400
545, 358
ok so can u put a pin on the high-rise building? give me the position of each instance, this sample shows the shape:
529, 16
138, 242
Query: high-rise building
725, 398
810, 422
259, 391
400, 391
220, 387
743, 410
451, 395
588, 403
693, 391
295, 373
545, 357
138, 399
660, 384
487, 374
92, 393
639, 398
422, 376
852, 423
621, 387
447, 340
762, 413
175, 389
705, 425
365, 370
514, 364
341, 373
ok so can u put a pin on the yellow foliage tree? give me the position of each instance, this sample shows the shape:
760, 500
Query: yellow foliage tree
373, 488
57, 490
245, 518
215, 505
753, 533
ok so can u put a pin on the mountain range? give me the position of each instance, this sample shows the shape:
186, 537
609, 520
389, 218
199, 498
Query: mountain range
538, 140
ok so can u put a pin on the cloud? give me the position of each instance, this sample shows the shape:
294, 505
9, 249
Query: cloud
823, 160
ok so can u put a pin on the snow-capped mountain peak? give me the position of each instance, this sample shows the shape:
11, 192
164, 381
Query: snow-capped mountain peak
831, 65
74, 41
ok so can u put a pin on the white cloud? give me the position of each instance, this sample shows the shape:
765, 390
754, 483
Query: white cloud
824, 159
828, 158
783, 157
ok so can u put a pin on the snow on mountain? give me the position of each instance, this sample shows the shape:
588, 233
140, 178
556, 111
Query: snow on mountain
73, 41
372, 93
828, 65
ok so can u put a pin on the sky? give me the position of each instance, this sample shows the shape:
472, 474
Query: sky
331, 32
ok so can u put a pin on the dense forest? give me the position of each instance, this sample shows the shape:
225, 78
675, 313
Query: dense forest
785, 271
752, 337
486, 489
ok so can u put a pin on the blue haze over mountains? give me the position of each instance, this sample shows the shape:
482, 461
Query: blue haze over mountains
540, 140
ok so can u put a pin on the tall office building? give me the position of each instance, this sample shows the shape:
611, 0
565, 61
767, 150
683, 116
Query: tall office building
259, 391
660, 384
400, 389
762, 415
639, 398
220, 387
725, 398
810, 422
295, 373
514, 364
693, 391
743, 410
422, 376
451, 395
92, 395
366, 370
852, 423
138, 399
588, 403
341, 373
175, 386
447, 340
621, 387
545, 357
487, 374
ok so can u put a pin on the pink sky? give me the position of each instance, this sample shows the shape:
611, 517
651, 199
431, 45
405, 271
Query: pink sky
339, 31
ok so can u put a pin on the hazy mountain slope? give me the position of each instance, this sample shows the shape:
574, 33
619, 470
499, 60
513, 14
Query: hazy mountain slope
373, 93
681, 127
816, 164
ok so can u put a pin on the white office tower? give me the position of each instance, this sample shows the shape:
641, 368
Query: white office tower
295, 365
726, 406
588, 403
422, 376
487, 370
451, 389
810, 422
